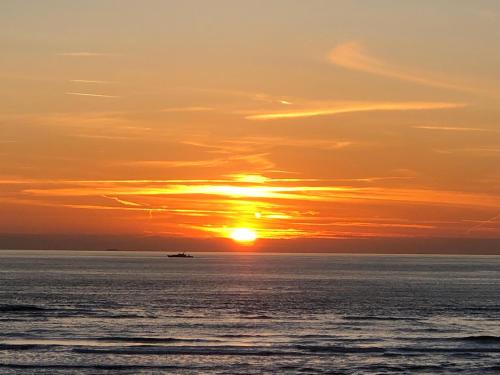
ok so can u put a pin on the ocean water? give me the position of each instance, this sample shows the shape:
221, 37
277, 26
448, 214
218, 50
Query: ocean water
144, 313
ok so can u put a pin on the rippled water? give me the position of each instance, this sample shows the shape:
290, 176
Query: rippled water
144, 313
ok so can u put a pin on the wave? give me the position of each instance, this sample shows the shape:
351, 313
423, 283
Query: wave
492, 368
480, 308
148, 340
61, 312
394, 350
95, 367
385, 368
14, 347
448, 350
339, 349
301, 337
298, 350
123, 316
402, 368
486, 339
370, 317
263, 317
22, 308
242, 335
153, 346
479, 339
188, 350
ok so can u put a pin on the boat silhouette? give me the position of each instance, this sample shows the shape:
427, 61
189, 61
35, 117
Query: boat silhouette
180, 255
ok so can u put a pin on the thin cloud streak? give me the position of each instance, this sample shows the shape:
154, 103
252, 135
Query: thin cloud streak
88, 81
85, 54
484, 223
267, 204
370, 224
479, 151
91, 95
253, 144
253, 96
295, 193
104, 136
124, 202
187, 109
339, 108
256, 160
351, 55
176, 163
233, 178
451, 128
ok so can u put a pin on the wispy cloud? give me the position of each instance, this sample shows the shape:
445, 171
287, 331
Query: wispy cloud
123, 201
280, 107
88, 81
176, 163
351, 55
85, 54
187, 109
105, 136
317, 193
484, 224
334, 108
258, 152
256, 160
268, 204
92, 95
480, 151
451, 128
260, 97
252, 144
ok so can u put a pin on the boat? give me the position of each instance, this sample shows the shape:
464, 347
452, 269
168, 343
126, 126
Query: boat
180, 255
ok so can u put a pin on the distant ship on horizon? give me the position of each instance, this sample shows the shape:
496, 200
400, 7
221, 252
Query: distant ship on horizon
180, 255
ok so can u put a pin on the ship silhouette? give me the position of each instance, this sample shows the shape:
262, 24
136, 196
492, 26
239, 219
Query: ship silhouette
180, 255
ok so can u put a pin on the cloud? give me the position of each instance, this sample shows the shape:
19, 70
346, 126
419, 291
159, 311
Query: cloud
334, 108
451, 128
265, 144
280, 107
124, 202
351, 55
84, 54
311, 207
102, 122
105, 136
253, 96
88, 81
482, 224
300, 193
479, 151
259, 161
187, 109
91, 95
176, 163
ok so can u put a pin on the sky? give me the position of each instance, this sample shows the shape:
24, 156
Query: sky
290, 120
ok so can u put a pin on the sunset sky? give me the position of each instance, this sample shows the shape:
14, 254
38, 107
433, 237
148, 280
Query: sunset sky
288, 118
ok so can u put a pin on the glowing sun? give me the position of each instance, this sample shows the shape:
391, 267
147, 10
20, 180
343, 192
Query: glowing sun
243, 235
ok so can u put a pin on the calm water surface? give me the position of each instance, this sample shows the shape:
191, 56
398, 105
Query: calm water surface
144, 313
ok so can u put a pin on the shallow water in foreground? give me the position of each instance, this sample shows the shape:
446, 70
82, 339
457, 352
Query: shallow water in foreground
144, 313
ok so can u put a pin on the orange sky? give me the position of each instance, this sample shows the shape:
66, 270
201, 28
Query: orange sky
296, 119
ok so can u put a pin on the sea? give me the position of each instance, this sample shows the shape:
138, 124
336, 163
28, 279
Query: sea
74, 312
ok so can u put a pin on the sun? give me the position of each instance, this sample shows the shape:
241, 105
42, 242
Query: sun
243, 235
